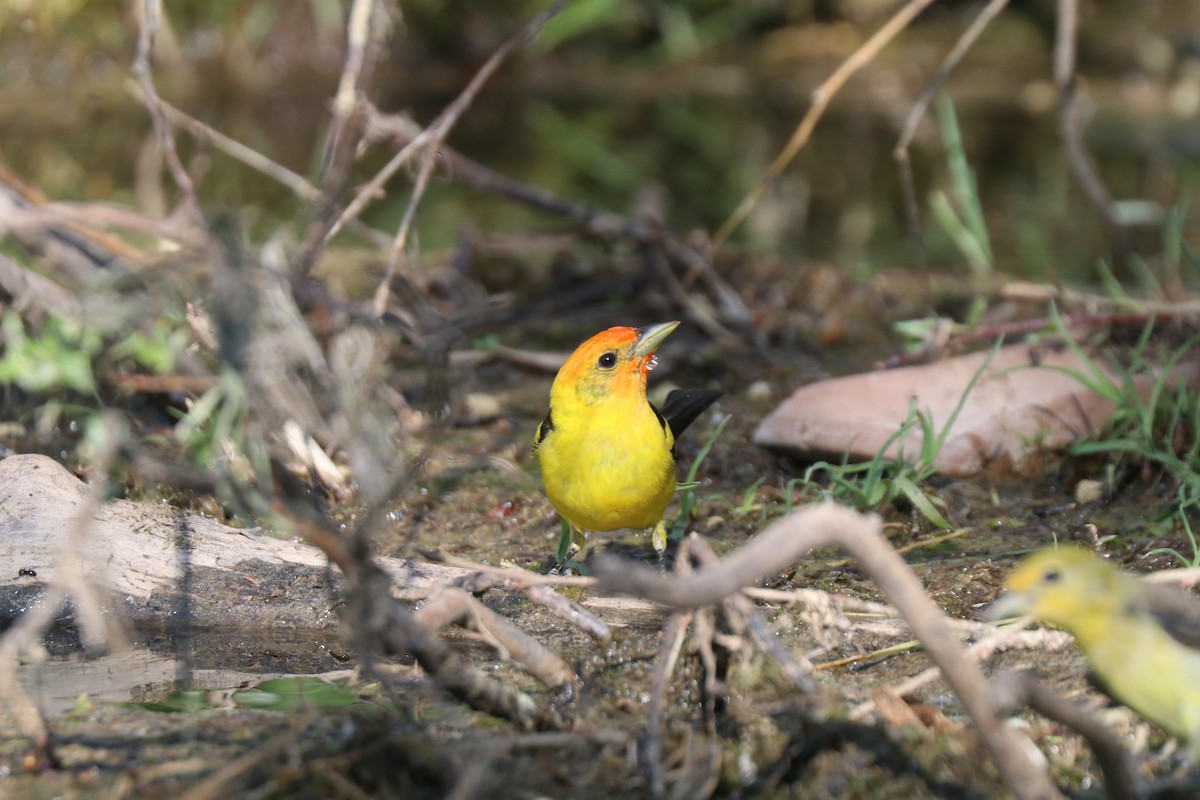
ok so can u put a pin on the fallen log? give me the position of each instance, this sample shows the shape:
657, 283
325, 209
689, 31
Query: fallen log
138, 554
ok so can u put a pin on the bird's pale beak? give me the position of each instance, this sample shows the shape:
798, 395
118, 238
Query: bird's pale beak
1007, 606
651, 336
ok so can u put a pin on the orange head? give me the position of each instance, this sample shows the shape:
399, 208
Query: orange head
613, 363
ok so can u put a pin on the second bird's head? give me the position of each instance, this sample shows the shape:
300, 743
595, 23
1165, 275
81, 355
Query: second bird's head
614, 362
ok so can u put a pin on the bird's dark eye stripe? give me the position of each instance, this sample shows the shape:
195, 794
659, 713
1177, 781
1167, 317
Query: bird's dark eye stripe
608, 360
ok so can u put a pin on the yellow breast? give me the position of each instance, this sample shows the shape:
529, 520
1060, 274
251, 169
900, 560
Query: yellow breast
609, 466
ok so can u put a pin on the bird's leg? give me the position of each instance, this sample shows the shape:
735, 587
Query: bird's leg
576, 545
659, 538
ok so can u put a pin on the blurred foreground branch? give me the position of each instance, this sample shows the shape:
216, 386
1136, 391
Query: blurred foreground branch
780, 545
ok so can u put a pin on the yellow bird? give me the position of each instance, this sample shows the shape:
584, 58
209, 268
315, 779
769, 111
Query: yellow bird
1139, 638
606, 454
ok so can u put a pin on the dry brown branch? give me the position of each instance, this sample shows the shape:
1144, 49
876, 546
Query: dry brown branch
598, 223
519, 578
454, 606
660, 685
376, 620
1014, 690
1008, 637
294, 182
429, 139
780, 545
149, 19
396, 253
93, 216
22, 635
798, 669
1082, 166
33, 296
297, 184
359, 33
917, 113
437, 133
570, 611
97, 628
376, 615
821, 97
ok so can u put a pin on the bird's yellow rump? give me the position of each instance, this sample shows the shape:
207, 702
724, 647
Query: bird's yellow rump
1139, 638
606, 453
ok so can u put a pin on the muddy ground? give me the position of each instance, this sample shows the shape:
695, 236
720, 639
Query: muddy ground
478, 497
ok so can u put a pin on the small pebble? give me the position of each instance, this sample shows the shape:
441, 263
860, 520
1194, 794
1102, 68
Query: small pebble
1088, 491
759, 390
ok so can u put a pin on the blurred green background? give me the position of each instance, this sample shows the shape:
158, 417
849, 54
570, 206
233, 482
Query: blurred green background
673, 105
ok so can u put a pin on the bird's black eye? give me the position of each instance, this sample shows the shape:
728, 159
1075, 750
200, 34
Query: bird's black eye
1051, 576
608, 360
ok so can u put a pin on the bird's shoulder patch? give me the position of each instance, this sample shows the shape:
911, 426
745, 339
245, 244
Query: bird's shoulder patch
543, 428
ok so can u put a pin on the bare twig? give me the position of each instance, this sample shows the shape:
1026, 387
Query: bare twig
917, 113
598, 223
570, 611
821, 97
345, 102
451, 606
518, 577
384, 290
1001, 639
1013, 690
780, 545
149, 19
375, 618
96, 628
664, 668
798, 669
33, 296
1080, 161
91, 216
21, 635
432, 136
440, 128
296, 183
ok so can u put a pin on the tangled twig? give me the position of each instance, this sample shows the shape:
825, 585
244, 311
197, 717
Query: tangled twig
780, 545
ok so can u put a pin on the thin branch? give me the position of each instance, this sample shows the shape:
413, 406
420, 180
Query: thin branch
292, 181
1013, 691
429, 139
799, 670
296, 183
384, 290
917, 113
148, 23
674, 632
1082, 165
780, 545
598, 223
454, 606
821, 98
345, 102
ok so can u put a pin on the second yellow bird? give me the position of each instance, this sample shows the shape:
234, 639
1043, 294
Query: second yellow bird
607, 455
1139, 638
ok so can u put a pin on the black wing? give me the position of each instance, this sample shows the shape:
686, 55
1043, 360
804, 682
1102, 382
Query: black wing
684, 405
545, 427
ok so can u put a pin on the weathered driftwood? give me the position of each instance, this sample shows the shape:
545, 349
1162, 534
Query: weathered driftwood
137, 553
